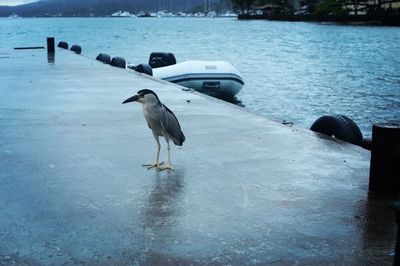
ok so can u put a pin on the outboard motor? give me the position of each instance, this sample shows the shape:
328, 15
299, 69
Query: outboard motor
161, 59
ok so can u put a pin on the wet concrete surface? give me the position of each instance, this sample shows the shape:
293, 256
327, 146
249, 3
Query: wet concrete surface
245, 190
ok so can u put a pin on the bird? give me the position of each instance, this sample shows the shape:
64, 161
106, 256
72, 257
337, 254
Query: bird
162, 122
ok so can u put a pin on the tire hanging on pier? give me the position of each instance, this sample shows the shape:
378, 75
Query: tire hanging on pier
76, 48
339, 126
63, 45
105, 58
118, 62
142, 68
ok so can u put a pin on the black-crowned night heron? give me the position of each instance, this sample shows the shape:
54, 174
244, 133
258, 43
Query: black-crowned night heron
161, 121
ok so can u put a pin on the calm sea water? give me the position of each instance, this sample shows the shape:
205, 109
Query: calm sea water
293, 71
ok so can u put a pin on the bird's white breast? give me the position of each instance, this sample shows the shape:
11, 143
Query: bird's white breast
152, 114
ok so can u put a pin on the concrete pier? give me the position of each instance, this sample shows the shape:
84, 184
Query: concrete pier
245, 190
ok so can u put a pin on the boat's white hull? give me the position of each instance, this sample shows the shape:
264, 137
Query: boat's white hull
217, 78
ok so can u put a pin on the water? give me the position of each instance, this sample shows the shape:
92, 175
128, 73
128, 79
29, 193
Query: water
295, 72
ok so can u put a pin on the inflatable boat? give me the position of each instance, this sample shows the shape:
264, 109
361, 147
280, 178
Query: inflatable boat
215, 78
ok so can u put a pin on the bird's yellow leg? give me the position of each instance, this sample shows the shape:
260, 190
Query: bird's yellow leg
168, 165
157, 163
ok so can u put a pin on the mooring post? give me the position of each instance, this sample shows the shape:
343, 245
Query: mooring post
50, 45
384, 175
50, 50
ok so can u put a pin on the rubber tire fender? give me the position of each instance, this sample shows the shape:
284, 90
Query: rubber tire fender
63, 45
144, 68
118, 62
76, 48
339, 126
105, 58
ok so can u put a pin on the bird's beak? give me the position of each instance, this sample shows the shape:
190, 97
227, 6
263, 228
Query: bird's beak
132, 99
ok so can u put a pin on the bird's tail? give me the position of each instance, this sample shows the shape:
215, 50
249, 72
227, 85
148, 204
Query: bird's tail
180, 140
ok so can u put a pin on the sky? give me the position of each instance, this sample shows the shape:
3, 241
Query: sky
15, 2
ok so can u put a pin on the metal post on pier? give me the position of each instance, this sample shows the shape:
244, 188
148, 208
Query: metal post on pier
384, 175
50, 50
50, 45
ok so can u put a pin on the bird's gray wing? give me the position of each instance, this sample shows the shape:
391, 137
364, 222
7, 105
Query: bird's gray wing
171, 126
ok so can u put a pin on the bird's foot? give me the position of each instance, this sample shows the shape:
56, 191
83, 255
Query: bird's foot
152, 165
167, 166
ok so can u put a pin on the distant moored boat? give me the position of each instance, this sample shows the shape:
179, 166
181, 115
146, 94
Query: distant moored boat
123, 14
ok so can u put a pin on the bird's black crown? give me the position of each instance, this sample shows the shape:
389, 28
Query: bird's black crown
146, 91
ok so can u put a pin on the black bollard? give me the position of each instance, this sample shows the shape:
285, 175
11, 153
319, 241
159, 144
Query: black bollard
50, 45
50, 50
384, 172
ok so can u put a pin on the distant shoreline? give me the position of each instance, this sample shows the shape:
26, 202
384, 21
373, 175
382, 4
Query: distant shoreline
344, 20
119, 17
348, 20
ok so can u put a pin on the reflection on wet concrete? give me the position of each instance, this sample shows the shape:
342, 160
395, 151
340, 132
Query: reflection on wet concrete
51, 58
162, 206
161, 215
374, 216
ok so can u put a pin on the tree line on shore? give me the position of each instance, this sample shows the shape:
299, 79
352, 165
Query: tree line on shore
107, 7
371, 8
315, 8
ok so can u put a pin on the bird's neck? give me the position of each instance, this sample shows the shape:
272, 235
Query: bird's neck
150, 109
